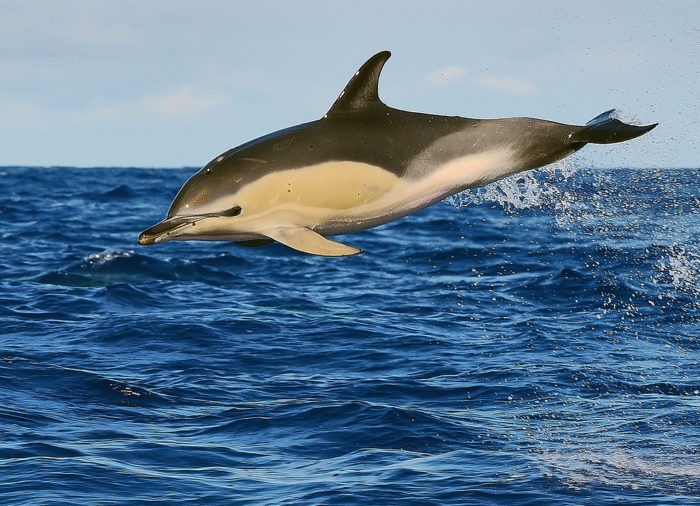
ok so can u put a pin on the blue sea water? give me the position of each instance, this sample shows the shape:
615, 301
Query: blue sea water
533, 342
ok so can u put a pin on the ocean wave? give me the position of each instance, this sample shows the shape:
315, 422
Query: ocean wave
70, 383
531, 347
110, 267
121, 191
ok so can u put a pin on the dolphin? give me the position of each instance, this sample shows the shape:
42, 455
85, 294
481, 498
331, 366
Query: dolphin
361, 165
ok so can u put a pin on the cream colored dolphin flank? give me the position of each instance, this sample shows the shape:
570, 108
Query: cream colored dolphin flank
361, 165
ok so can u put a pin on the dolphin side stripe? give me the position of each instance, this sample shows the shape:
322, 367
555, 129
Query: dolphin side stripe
466, 171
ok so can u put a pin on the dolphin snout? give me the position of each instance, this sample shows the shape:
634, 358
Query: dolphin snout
145, 238
163, 230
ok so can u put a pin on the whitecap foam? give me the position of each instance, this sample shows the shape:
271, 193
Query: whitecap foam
106, 257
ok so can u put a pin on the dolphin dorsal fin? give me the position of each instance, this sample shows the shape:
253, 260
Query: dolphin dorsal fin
363, 89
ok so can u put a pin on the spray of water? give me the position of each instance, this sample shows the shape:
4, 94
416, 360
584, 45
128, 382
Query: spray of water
632, 211
528, 190
680, 268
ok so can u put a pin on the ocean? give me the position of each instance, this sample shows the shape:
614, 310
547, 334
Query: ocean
536, 341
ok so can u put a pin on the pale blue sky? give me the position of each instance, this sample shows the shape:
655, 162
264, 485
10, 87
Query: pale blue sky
171, 83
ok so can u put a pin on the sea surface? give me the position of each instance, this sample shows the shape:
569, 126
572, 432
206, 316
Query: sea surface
533, 342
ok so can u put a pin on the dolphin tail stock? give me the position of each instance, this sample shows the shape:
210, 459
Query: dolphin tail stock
607, 129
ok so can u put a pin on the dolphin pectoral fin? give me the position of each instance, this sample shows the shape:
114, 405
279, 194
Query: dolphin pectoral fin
607, 129
308, 241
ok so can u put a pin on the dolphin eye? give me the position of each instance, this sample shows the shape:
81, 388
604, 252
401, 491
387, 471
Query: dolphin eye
234, 211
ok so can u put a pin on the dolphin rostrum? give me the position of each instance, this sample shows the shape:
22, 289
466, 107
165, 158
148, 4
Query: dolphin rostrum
361, 165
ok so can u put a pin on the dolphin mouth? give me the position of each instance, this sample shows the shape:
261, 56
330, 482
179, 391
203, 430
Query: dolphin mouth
167, 228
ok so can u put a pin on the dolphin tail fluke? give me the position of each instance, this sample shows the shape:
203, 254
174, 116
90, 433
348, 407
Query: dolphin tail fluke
308, 241
607, 129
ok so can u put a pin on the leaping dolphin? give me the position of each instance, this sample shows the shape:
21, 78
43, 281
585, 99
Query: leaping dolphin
361, 165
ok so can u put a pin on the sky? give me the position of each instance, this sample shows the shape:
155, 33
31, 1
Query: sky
173, 83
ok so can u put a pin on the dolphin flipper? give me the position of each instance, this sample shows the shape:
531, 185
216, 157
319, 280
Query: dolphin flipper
308, 241
607, 129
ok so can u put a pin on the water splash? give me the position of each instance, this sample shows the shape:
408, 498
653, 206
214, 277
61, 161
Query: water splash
681, 268
626, 117
622, 468
105, 258
638, 228
540, 189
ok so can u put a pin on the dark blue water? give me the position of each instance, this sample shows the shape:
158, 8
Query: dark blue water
536, 342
